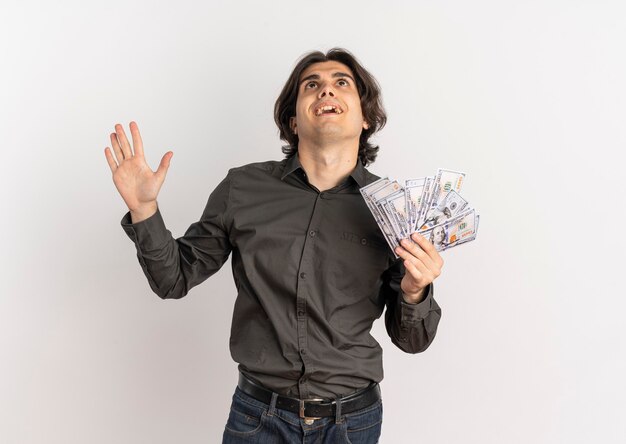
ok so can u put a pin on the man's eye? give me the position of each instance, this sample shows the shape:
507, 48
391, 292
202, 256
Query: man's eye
310, 85
342, 83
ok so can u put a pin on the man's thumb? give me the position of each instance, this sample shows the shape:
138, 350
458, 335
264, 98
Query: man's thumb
165, 164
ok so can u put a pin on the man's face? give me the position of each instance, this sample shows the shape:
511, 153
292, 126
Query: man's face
328, 107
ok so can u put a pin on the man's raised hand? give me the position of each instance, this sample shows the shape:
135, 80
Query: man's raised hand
137, 184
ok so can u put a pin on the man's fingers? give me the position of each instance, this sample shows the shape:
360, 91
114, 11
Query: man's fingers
124, 145
116, 148
417, 275
417, 262
418, 252
137, 143
110, 159
429, 248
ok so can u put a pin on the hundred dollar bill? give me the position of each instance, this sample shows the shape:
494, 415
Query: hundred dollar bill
366, 193
456, 231
377, 197
451, 205
394, 206
445, 181
413, 190
427, 194
471, 238
371, 194
367, 189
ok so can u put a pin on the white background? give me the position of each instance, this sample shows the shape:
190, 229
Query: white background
527, 97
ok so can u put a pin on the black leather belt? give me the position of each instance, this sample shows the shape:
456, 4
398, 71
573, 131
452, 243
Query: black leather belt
311, 408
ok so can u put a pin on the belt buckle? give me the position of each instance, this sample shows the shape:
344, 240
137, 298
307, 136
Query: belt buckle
308, 420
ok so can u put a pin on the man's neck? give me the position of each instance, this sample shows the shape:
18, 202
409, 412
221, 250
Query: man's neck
329, 165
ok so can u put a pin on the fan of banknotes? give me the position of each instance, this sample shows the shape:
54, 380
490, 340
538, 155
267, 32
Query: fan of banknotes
431, 206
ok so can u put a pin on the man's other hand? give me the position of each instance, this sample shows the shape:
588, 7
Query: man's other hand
137, 184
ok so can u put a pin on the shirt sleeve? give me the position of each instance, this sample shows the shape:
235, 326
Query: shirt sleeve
174, 266
411, 327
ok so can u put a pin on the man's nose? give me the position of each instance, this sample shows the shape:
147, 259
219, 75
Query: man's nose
326, 90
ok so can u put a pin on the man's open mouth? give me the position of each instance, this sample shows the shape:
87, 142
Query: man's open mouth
328, 109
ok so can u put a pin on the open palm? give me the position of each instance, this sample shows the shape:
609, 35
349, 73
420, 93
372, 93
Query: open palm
137, 184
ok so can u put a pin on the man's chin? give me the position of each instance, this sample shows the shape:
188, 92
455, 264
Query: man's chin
334, 133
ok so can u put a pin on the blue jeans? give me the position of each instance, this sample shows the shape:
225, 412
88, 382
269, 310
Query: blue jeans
252, 421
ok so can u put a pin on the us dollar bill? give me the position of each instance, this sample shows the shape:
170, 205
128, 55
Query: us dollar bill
394, 206
413, 191
366, 192
367, 189
378, 198
448, 207
427, 194
456, 231
445, 181
372, 193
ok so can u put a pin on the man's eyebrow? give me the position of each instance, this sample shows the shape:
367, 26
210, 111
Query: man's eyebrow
343, 74
310, 77
336, 74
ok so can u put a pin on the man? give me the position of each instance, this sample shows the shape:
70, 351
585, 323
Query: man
311, 267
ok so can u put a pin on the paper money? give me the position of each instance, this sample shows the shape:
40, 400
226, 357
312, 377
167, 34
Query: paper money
394, 206
446, 181
368, 193
429, 184
450, 205
378, 197
413, 191
456, 231
431, 206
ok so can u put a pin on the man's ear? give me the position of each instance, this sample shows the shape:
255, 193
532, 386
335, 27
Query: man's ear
292, 125
365, 125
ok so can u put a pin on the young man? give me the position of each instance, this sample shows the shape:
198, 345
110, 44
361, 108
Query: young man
311, 267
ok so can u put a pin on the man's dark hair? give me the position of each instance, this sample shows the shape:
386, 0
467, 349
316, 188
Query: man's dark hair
369, 92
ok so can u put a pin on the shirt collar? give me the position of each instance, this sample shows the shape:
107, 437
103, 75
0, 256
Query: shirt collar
358, 174
293, 164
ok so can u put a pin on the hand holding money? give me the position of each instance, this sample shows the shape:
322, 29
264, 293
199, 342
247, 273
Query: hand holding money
431, 206
423, 265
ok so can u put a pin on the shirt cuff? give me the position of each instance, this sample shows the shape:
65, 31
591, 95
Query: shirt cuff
150, 233
412, 313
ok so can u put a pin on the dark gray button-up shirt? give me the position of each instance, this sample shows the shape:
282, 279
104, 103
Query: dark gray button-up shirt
312, 272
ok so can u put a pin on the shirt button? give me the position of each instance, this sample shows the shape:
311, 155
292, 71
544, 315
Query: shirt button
303, 352
363, 241
322, 195
303, 275
300, 313
312, 233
